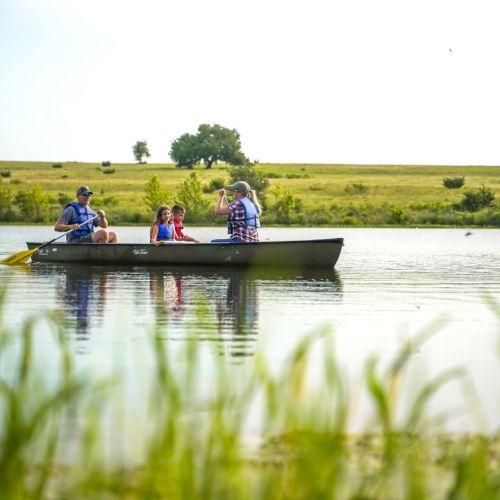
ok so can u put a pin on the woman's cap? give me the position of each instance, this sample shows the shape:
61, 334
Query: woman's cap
85, 190
242, 186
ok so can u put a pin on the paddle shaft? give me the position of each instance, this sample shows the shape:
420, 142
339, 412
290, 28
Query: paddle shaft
22, 257
66, 233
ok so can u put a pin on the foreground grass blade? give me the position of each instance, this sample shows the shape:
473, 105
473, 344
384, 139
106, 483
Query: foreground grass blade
195, 444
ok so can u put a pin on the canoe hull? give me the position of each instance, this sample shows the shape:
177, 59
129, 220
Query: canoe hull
311, 253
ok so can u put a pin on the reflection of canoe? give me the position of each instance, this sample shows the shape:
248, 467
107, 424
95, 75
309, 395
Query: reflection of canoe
310, 253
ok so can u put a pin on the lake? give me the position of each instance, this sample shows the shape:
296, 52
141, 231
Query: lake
388, 285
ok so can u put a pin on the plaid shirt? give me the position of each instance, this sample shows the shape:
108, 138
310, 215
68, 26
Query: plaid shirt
237, 218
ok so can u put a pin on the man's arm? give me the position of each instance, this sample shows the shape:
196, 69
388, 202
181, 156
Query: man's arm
103, 222
62, 224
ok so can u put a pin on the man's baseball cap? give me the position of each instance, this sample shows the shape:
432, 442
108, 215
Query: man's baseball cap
85, 190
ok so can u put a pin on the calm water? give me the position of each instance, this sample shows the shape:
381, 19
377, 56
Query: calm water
388, 284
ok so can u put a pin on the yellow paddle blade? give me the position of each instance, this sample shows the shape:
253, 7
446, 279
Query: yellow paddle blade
19, 257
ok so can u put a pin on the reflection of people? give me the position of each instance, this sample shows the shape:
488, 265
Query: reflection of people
166, 295
177, 299
178, 213
242, 214
75, 217
163, 227
84, 295
242, 299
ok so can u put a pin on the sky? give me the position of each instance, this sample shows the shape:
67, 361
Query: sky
302, 81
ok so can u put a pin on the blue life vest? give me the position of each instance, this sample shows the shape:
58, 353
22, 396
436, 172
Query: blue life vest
164, 232
251, 219
83, 214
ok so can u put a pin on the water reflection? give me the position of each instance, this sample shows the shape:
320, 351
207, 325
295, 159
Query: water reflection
82, 294
166, 295
220, 306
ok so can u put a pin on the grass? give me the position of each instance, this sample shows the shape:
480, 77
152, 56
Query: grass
416, 190
194, 443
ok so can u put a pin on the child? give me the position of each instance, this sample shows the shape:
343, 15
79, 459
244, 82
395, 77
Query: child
162, 228
178, 213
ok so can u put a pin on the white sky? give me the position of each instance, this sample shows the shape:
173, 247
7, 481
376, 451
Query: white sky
340, 81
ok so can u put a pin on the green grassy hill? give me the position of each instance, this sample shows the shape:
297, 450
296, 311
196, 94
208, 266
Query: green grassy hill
318, 194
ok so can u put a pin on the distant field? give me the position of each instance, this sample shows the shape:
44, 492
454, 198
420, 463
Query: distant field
320, 188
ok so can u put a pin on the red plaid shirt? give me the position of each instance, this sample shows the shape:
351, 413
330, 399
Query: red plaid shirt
237, 218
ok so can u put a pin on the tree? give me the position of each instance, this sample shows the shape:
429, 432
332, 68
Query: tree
155, 194
184, 151
211, 144
217, 143
190, 196
255, 178
140, 150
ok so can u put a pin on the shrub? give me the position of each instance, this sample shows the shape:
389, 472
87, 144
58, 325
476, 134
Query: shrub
6, 197
63, 199
286, 205
297, 176
356, 188
108, 170
33, 204
397, 215
453, 182
214, 185
272, 175
110, 200
125, 216
190, 196
248, 173
57, 165
155, 194
473, 201
350, 220
106, 163
16, 181
6, 172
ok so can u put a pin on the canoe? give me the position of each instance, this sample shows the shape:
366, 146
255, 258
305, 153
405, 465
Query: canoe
305, 254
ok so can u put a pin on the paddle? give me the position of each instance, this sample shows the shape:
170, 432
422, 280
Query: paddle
22, 257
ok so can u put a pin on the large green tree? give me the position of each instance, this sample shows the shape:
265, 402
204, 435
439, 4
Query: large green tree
141, 151
211, 144
184, 151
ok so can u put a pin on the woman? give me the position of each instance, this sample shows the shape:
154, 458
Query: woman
163, 227
242, 214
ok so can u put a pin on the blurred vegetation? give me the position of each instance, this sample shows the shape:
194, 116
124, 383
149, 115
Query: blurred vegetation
318, 195
473, 201
453, 182
56, 441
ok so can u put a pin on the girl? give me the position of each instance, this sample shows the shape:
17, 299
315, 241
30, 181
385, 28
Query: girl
163, 227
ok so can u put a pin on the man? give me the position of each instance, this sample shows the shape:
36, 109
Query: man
75, 216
